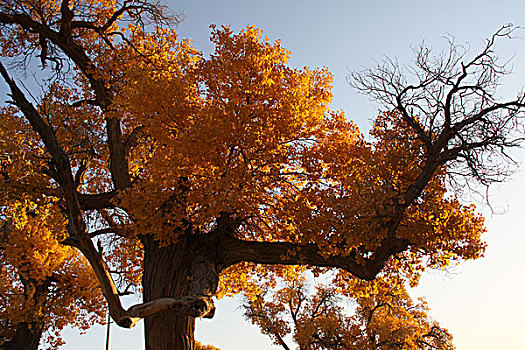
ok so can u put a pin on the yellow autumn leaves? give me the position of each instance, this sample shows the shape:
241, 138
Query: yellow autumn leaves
241, 132
378, 315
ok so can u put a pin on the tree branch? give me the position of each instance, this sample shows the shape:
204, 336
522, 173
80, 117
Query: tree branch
233, 250
97, 201
194, 306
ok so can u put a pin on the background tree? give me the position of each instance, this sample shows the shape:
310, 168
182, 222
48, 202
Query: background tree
45, 286
206, 166
378, 315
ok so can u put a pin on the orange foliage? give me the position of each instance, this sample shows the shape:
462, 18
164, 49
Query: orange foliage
200, 346
42, 280
378, 316
241, 132
238, 134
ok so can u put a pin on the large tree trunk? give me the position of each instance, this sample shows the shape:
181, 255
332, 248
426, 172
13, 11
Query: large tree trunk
27, 337
170, 271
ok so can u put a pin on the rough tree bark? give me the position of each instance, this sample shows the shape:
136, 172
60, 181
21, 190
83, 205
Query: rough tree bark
169, 271
166, 275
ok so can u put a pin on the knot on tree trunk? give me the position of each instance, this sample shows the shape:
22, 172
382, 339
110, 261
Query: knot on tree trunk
194, 306
201, 307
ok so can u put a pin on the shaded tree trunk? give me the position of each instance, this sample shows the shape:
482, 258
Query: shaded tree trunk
170, 271
27, 337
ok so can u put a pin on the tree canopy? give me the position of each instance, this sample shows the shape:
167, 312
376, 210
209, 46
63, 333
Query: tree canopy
377, 315
189, 175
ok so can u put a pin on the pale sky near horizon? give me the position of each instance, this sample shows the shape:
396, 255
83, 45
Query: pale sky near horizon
480, 302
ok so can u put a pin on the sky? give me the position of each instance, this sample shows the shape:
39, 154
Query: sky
480, 302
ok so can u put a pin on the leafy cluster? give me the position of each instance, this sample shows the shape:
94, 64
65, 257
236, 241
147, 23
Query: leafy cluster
378, 315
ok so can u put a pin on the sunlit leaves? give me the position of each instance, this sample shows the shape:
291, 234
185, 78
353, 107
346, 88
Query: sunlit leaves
43, 281
371, 316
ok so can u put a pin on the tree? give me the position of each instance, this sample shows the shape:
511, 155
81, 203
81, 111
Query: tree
209, 167
385, 317
316, 320
45, 286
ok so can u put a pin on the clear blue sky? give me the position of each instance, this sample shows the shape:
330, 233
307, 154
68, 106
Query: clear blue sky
480, 302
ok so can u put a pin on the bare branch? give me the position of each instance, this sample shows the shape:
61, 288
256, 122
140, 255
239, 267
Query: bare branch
452, 107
